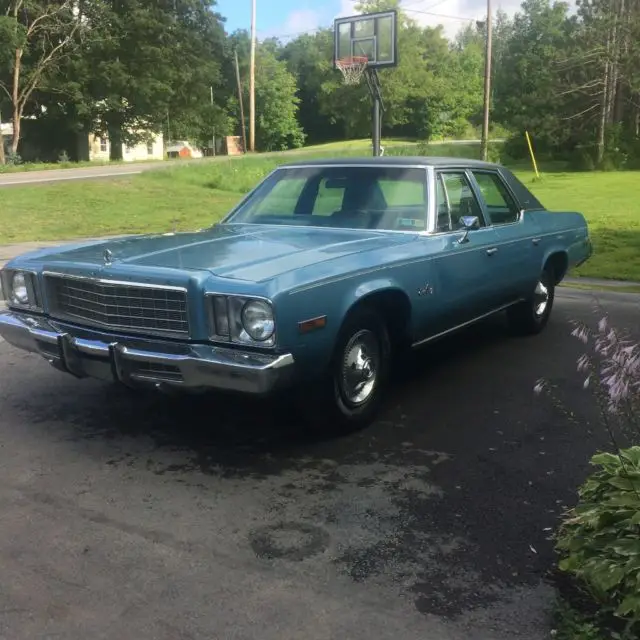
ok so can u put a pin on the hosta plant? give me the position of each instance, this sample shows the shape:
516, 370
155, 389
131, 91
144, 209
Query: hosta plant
599, 539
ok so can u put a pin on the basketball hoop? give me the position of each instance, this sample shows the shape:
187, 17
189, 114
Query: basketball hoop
352, 68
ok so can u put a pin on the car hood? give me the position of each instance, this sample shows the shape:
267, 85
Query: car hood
247, 252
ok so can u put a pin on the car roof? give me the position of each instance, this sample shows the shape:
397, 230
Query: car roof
527, 200
403, 161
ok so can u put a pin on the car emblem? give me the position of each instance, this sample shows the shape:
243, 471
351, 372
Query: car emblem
107, 255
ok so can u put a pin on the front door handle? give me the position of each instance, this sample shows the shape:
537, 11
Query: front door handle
535, 241
491, 251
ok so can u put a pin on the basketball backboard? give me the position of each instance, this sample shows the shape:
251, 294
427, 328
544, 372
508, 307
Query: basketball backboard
373, 35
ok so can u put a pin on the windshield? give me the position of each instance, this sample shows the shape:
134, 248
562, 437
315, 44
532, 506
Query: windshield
389, 198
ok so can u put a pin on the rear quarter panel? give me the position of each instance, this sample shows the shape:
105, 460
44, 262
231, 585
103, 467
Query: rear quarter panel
563, 232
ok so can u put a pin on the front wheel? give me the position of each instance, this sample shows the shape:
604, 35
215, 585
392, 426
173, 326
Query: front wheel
531, 316
349, 394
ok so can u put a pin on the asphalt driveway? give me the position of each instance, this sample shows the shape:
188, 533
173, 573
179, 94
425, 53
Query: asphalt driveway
139, 516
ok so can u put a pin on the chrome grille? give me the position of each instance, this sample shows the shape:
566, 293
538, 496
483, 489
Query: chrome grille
128, 307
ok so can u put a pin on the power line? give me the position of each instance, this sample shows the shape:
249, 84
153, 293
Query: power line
440, 15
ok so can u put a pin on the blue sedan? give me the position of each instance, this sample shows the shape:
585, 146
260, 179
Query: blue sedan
308, 287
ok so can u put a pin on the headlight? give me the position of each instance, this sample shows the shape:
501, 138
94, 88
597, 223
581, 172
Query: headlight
19, 288
242, 320
19, 291
257, 320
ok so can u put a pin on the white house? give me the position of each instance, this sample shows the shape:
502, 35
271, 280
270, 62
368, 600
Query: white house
99, 149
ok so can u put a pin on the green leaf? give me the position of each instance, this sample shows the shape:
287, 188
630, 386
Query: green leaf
627, 547
630, 605
631, 455
625, 484
605, 459
610, 577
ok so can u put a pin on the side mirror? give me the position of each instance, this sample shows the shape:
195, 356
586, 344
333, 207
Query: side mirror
468, 224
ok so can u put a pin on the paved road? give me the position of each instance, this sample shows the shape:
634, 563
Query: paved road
139, 516
116, 170
84, 173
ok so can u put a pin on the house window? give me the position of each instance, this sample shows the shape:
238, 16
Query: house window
150, 148
103, 145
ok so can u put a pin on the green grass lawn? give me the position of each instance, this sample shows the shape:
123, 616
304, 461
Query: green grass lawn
197, 195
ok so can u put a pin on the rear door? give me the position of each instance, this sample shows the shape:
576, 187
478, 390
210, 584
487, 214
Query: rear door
517, 240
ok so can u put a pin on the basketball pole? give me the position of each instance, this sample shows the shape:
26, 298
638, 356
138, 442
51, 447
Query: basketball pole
376, 126
377, 109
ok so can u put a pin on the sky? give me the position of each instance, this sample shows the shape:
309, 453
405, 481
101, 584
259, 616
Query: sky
288, 18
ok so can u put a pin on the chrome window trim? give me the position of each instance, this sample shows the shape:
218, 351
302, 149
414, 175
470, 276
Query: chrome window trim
181, 335
437, 172
424, 167
211, 324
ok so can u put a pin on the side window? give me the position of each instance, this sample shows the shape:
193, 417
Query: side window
501, 207
455, 199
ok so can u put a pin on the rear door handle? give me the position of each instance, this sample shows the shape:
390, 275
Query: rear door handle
491, 251
535, 241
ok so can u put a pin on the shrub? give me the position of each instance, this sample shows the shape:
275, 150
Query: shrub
582, 159
13, 158
600, 538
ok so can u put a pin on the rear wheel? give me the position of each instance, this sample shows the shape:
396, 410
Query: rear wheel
531, 316
349, 394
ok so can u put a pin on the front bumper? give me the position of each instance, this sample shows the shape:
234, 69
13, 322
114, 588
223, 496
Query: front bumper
140, 362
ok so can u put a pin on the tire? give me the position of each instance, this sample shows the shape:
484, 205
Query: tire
342, 402
530, 317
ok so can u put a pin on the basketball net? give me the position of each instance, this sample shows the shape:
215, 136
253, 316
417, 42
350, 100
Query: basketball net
352, 68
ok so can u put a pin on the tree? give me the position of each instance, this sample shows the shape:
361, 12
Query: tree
309, 58
277, 126
530, 90
152, 61
277, 100
35, 36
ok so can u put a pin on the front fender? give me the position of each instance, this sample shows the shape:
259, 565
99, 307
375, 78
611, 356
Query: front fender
334, 300
362, 290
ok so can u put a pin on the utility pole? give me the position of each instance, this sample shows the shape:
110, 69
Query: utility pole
252, 81
2, 158
213, 130
244, 132
484, 144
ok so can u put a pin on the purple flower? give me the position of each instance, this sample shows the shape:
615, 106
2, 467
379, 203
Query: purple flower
618, 372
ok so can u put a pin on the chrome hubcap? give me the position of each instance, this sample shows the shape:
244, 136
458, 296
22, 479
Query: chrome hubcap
541, 298
360, 366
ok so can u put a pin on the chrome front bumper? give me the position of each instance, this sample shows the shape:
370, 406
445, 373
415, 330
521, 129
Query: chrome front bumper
141, 362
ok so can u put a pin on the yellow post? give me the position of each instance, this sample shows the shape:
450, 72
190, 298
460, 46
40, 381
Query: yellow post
533, 158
